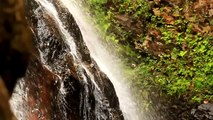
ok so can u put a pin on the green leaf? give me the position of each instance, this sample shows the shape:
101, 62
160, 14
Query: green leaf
182, 53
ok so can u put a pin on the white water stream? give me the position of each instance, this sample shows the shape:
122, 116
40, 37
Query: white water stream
105, 60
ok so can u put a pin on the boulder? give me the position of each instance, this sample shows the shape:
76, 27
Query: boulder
203, 112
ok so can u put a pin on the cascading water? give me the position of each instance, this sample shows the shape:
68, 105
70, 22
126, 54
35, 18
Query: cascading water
106, 61
62, 81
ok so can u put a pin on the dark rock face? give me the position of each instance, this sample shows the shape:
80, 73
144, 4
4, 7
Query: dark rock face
203, 112
63, 82
15, 43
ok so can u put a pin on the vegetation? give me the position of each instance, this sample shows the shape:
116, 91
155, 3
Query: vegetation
167, 45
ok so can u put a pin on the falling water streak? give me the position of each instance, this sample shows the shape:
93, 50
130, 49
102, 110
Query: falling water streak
105, 61
52, 11
91, 77
19, 103
67, 37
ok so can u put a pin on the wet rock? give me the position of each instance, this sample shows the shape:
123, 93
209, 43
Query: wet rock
203, 112
62, 80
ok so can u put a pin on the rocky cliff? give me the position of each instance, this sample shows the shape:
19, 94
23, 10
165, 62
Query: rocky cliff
62, 80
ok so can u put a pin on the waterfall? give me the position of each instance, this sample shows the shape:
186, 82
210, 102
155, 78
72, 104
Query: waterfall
62, 80
105, 60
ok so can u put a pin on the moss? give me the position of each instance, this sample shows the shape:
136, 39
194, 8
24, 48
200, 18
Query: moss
169, 43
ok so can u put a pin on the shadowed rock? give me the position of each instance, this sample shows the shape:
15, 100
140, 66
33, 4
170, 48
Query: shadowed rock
203, 112
15, 44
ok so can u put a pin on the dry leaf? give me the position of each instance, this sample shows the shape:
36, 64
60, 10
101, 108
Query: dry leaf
157, 11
